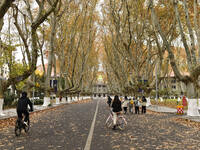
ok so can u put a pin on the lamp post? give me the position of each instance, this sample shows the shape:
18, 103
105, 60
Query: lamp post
1, 96
156, 83
34, 86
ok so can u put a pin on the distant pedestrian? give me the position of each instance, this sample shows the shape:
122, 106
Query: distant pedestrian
125, 104
137, 106
109, 101
116, 108
131, 103
144, 102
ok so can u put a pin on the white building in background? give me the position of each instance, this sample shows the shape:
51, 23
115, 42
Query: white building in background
4, 71
100, 89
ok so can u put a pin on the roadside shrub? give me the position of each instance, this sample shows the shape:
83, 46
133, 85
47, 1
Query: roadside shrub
173, 103
14, 104
38, 102
8, 99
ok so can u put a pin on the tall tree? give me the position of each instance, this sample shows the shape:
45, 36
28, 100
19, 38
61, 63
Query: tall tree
193, 69
44, 10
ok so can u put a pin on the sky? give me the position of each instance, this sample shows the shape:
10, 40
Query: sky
18, 53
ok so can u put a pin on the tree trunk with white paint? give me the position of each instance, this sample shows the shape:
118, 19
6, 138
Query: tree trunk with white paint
63, 100
46, 101
1, 106
57, 100
191, 89
191, 94
148, 102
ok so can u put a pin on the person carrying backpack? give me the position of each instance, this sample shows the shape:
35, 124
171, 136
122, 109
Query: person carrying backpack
131, 103
125, 104
137, 106
109, 101
144, 102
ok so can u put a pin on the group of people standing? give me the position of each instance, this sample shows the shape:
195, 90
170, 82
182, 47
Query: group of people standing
128, 104
118, 105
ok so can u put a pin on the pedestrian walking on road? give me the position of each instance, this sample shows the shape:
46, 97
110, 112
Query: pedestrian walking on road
144, 102
125, 104
137, 106
131, 102
109, 101
117, 108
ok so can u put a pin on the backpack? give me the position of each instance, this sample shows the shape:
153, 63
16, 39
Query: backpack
131, 102
137, 103
109, 101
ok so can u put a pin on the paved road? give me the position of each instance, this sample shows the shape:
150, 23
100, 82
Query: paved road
67, 128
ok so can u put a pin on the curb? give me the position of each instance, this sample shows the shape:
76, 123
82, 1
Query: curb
45, 108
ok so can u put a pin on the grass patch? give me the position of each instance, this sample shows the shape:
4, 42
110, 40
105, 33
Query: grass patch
172, 103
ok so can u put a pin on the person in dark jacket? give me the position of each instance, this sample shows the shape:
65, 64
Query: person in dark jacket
109, 101
116, 105
137, 105
144, 101
22, 107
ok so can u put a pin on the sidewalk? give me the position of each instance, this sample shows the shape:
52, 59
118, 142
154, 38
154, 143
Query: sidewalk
7, 113
12, 112
164, 109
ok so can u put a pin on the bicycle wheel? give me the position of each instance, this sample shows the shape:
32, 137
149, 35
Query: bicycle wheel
122, 123
17, 128
109, 122
27, 127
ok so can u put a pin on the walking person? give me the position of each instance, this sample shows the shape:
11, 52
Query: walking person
125, 104
131, 102
109, 101
22, 107
137, 106
144, 102
116, 108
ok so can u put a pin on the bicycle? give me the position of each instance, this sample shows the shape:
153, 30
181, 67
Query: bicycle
121, 121
19, 125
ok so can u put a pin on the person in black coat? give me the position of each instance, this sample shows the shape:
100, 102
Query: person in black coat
109, 101
116, 108
137, 105
144, 101
22, 107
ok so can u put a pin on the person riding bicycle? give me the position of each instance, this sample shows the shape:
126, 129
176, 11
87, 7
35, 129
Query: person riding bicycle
22, 107
116, 105
109, 101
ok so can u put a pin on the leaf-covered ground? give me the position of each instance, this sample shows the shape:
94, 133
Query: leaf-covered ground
10, 122
66, 128
148, 132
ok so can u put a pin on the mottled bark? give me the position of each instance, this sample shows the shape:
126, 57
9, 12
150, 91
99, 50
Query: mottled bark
197, 28
191, 91
50, 54
189, 57
4, 6
34, 51
188, 23
166, 43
